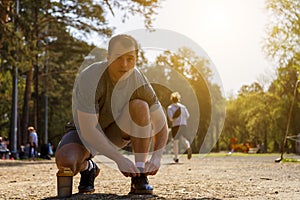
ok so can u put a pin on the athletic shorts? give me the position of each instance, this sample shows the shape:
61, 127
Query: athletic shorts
112, 132
178, 131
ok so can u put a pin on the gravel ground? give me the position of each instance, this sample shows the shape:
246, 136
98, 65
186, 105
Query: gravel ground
212, 177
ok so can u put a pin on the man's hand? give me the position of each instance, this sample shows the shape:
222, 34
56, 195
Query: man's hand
128, 168
153, 165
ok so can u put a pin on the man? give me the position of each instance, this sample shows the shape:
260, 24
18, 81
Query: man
178, 115
33, 143
114, 105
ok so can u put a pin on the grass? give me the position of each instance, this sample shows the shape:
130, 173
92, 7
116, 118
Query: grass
241, 154
294, 160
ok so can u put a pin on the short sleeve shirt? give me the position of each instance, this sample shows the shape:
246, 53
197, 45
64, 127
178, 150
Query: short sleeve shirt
94, 92
182, 119
34, 137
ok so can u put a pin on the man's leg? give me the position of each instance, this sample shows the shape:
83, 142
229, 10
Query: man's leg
35, 153
30, 152
140, 114
175, 136
175, 150
72, 154
186, 141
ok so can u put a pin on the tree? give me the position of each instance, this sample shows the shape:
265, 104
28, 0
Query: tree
256, 116
196, 72
46, 36
282, 43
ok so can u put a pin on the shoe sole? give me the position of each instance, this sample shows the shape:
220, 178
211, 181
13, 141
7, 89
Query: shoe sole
86, 191
133, 191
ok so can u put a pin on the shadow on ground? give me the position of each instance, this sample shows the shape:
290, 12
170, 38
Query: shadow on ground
115, 196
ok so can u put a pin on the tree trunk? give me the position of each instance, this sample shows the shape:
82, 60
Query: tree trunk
36, 94
36, 71
25, 112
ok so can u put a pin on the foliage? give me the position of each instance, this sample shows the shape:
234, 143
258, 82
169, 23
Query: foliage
198, 75
282, 43
5, 101
42, 38
262, 116
259, 117
48, 38
148, 9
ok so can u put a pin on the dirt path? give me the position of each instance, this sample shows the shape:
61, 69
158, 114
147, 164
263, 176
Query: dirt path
212, 177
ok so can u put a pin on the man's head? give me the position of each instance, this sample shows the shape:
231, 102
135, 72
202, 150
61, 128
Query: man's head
30, 128
126, 41
175, 97
122, 55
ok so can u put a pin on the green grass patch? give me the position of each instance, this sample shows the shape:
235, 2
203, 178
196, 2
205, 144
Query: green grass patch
240, 154
294, 160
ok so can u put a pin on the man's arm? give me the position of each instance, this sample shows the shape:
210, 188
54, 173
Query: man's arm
159, 142
93, 136
187, 113
160, 139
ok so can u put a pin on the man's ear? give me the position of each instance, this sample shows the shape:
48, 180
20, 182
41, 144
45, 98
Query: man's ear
107, 56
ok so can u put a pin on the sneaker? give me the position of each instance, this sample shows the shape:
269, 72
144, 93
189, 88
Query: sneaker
140, 185
176, 160
189, 151
87, 179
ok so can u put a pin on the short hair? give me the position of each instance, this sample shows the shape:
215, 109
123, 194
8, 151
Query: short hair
126, 41
175, 97
30, 128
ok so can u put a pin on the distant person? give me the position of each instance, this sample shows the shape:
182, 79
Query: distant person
4, 151
23, 152
106, 123
33, 143
178, 115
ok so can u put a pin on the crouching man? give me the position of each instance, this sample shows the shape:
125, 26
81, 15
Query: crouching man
114, 105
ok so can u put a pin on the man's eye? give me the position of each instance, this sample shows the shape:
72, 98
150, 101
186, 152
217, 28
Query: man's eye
130, 59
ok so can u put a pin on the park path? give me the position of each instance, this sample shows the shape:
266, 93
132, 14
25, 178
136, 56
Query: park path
212, 177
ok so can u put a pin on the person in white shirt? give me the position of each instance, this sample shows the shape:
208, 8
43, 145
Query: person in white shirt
178, 115
33, 143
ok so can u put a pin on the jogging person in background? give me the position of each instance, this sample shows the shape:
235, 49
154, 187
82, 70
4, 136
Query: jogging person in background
178, 115
114, 105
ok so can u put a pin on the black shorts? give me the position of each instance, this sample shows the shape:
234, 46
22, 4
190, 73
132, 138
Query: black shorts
70, 137
178, 131
112, 132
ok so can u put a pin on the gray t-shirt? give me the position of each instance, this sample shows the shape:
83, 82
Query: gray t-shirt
95, 93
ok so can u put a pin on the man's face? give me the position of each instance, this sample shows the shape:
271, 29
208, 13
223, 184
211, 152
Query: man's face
121, 60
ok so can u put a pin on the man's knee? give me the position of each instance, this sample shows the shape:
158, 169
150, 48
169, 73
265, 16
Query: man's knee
139, 111
71, 156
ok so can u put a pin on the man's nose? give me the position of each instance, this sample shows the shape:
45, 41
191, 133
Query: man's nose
124, 63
